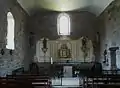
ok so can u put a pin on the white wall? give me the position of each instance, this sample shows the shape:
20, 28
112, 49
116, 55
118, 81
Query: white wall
63, 5
95, 6
27, 4
100, 5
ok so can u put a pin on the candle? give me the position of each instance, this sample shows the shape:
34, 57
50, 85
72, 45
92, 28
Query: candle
51, 60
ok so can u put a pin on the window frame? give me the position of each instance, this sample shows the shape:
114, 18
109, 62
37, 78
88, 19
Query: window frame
11, 18
58, 24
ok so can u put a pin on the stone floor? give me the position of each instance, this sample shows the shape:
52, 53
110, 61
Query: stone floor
67, 82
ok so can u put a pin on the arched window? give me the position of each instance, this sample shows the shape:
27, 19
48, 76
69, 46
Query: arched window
63, 24
10, 31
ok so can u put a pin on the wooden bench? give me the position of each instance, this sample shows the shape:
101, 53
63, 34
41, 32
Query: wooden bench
25, 81
12, 83
103, 81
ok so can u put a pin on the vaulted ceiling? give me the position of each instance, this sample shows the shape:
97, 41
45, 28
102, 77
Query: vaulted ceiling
94, 6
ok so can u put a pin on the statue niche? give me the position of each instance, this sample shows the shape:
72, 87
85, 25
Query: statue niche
64, 52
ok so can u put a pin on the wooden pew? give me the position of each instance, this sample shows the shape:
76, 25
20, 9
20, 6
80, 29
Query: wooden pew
103, 81
12, 83
36, 80
25, 81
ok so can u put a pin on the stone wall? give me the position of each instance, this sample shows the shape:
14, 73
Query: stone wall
8, 62
109, 27
45, 24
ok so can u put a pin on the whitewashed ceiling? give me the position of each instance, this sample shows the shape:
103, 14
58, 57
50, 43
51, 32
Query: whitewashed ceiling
94, 6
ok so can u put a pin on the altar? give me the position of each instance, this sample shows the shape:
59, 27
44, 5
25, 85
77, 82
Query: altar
77, 69
65, 55
67, 71
65, 49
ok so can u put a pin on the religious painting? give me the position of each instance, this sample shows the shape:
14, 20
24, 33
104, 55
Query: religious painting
64, 52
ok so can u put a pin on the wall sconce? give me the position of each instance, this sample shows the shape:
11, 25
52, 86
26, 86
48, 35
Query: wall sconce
11, 52
2, 52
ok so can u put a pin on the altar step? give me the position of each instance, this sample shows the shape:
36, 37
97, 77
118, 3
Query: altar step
67, 86
67, 83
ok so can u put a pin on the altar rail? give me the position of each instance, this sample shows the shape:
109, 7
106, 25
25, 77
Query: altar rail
25, 81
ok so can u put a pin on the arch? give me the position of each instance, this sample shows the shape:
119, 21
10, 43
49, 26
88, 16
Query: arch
63, 24
10, 31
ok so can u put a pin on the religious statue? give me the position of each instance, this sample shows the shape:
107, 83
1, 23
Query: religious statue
84, 47
44, 48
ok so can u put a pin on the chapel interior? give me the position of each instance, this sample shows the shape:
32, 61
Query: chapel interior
59, 43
